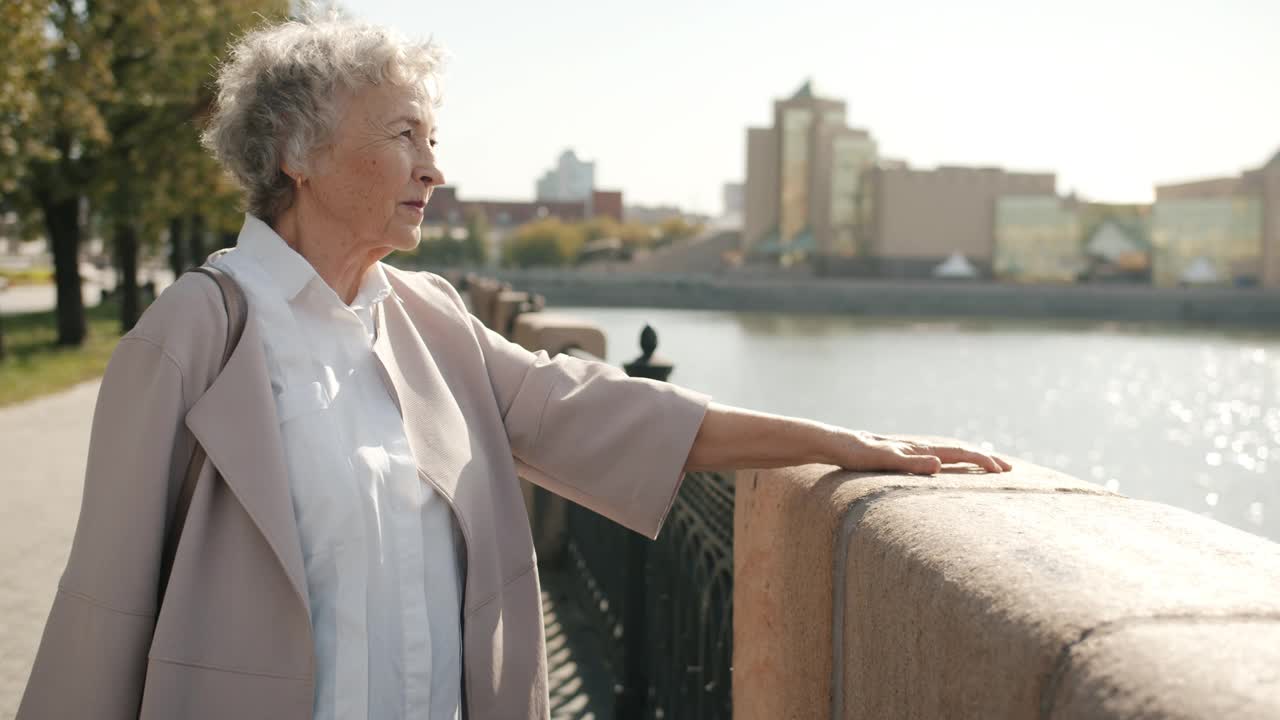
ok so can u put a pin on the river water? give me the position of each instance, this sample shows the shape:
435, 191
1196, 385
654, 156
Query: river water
1185, 416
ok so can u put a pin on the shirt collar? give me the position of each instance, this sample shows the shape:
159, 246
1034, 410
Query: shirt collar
291, 272
374, 289
288, 270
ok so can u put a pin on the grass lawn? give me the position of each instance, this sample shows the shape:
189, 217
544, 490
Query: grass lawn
33, 276
35, 366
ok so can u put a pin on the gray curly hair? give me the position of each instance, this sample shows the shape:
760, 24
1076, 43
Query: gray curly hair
277, 97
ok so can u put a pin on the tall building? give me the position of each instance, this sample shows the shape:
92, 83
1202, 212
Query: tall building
571, 180
733, 194
914, 220
1223, 231
803, 177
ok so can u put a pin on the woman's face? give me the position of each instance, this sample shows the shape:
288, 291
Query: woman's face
373, 181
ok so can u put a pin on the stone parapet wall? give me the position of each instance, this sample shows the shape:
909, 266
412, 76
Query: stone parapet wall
1029, 594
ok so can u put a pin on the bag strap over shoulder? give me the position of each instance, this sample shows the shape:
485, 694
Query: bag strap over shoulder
235, 303
237, 307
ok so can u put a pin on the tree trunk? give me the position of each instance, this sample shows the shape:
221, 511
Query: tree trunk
177, 247
126, 242
62, 220
198, 254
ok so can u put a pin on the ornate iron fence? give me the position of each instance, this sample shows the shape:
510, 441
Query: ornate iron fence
664, 609
685, 642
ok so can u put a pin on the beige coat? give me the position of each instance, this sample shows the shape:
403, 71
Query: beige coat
233, 638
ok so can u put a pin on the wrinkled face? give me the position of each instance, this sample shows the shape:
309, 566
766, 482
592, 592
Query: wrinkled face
373, 180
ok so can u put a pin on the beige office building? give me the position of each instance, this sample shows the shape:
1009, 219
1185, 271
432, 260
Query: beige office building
803, 178
1221, 231
914, 220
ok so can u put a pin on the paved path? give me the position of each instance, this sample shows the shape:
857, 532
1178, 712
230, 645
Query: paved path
21, 299
42, 455
580, 685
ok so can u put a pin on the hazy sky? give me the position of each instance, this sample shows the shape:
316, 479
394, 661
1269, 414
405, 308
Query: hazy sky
1114, 95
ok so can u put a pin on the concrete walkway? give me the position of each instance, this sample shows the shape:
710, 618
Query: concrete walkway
43, 445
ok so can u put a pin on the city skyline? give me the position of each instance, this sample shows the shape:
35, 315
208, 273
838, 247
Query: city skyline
1114, 98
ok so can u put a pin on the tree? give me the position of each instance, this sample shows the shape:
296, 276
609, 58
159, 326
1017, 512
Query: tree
121, 84
72, 79
21, 54
155, 163
547, 242
676, 229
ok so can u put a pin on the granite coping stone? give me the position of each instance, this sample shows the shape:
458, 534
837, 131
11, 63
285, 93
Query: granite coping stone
965, 594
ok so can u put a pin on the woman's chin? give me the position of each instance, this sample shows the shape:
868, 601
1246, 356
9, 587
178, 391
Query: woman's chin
406, 239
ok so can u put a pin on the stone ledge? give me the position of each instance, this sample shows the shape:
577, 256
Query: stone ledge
968, 600
1155, 669
557, 332
957, 595
786, 526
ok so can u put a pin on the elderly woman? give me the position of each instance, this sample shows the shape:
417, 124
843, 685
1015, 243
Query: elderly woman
356, 544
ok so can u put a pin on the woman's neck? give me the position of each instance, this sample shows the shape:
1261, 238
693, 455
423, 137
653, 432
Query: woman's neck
335, 252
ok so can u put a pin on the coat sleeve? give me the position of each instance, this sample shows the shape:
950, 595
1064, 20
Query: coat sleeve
93, 654
588, 432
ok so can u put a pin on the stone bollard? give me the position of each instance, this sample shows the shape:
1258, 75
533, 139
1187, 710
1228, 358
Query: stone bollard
509, 304
483, 294
506, 307
965, 594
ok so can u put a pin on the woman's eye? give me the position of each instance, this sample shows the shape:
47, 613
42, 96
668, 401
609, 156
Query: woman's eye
407, 133
432, 142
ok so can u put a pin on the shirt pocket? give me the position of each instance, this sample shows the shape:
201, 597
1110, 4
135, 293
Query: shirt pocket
326, 500
302, 399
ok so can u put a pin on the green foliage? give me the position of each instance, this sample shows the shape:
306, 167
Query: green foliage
675, 230
21, 54
121, 85
554, 243
35, 365
154, 166
543, 243
457, 247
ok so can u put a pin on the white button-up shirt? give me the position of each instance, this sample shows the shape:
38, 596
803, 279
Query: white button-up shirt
380, 547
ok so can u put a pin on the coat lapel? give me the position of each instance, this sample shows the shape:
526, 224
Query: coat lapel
433, 421
235, 422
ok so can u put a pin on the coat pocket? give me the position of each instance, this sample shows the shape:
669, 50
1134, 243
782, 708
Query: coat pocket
182, 690
506, 657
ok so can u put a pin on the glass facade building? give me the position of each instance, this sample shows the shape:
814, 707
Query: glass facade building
1207, 240
1037, 239
797, 127
851, 154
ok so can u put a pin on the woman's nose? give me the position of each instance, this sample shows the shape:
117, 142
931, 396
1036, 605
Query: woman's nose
430, 175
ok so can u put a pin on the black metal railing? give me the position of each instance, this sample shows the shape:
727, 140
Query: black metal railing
688, 600
690, 603
663, 609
